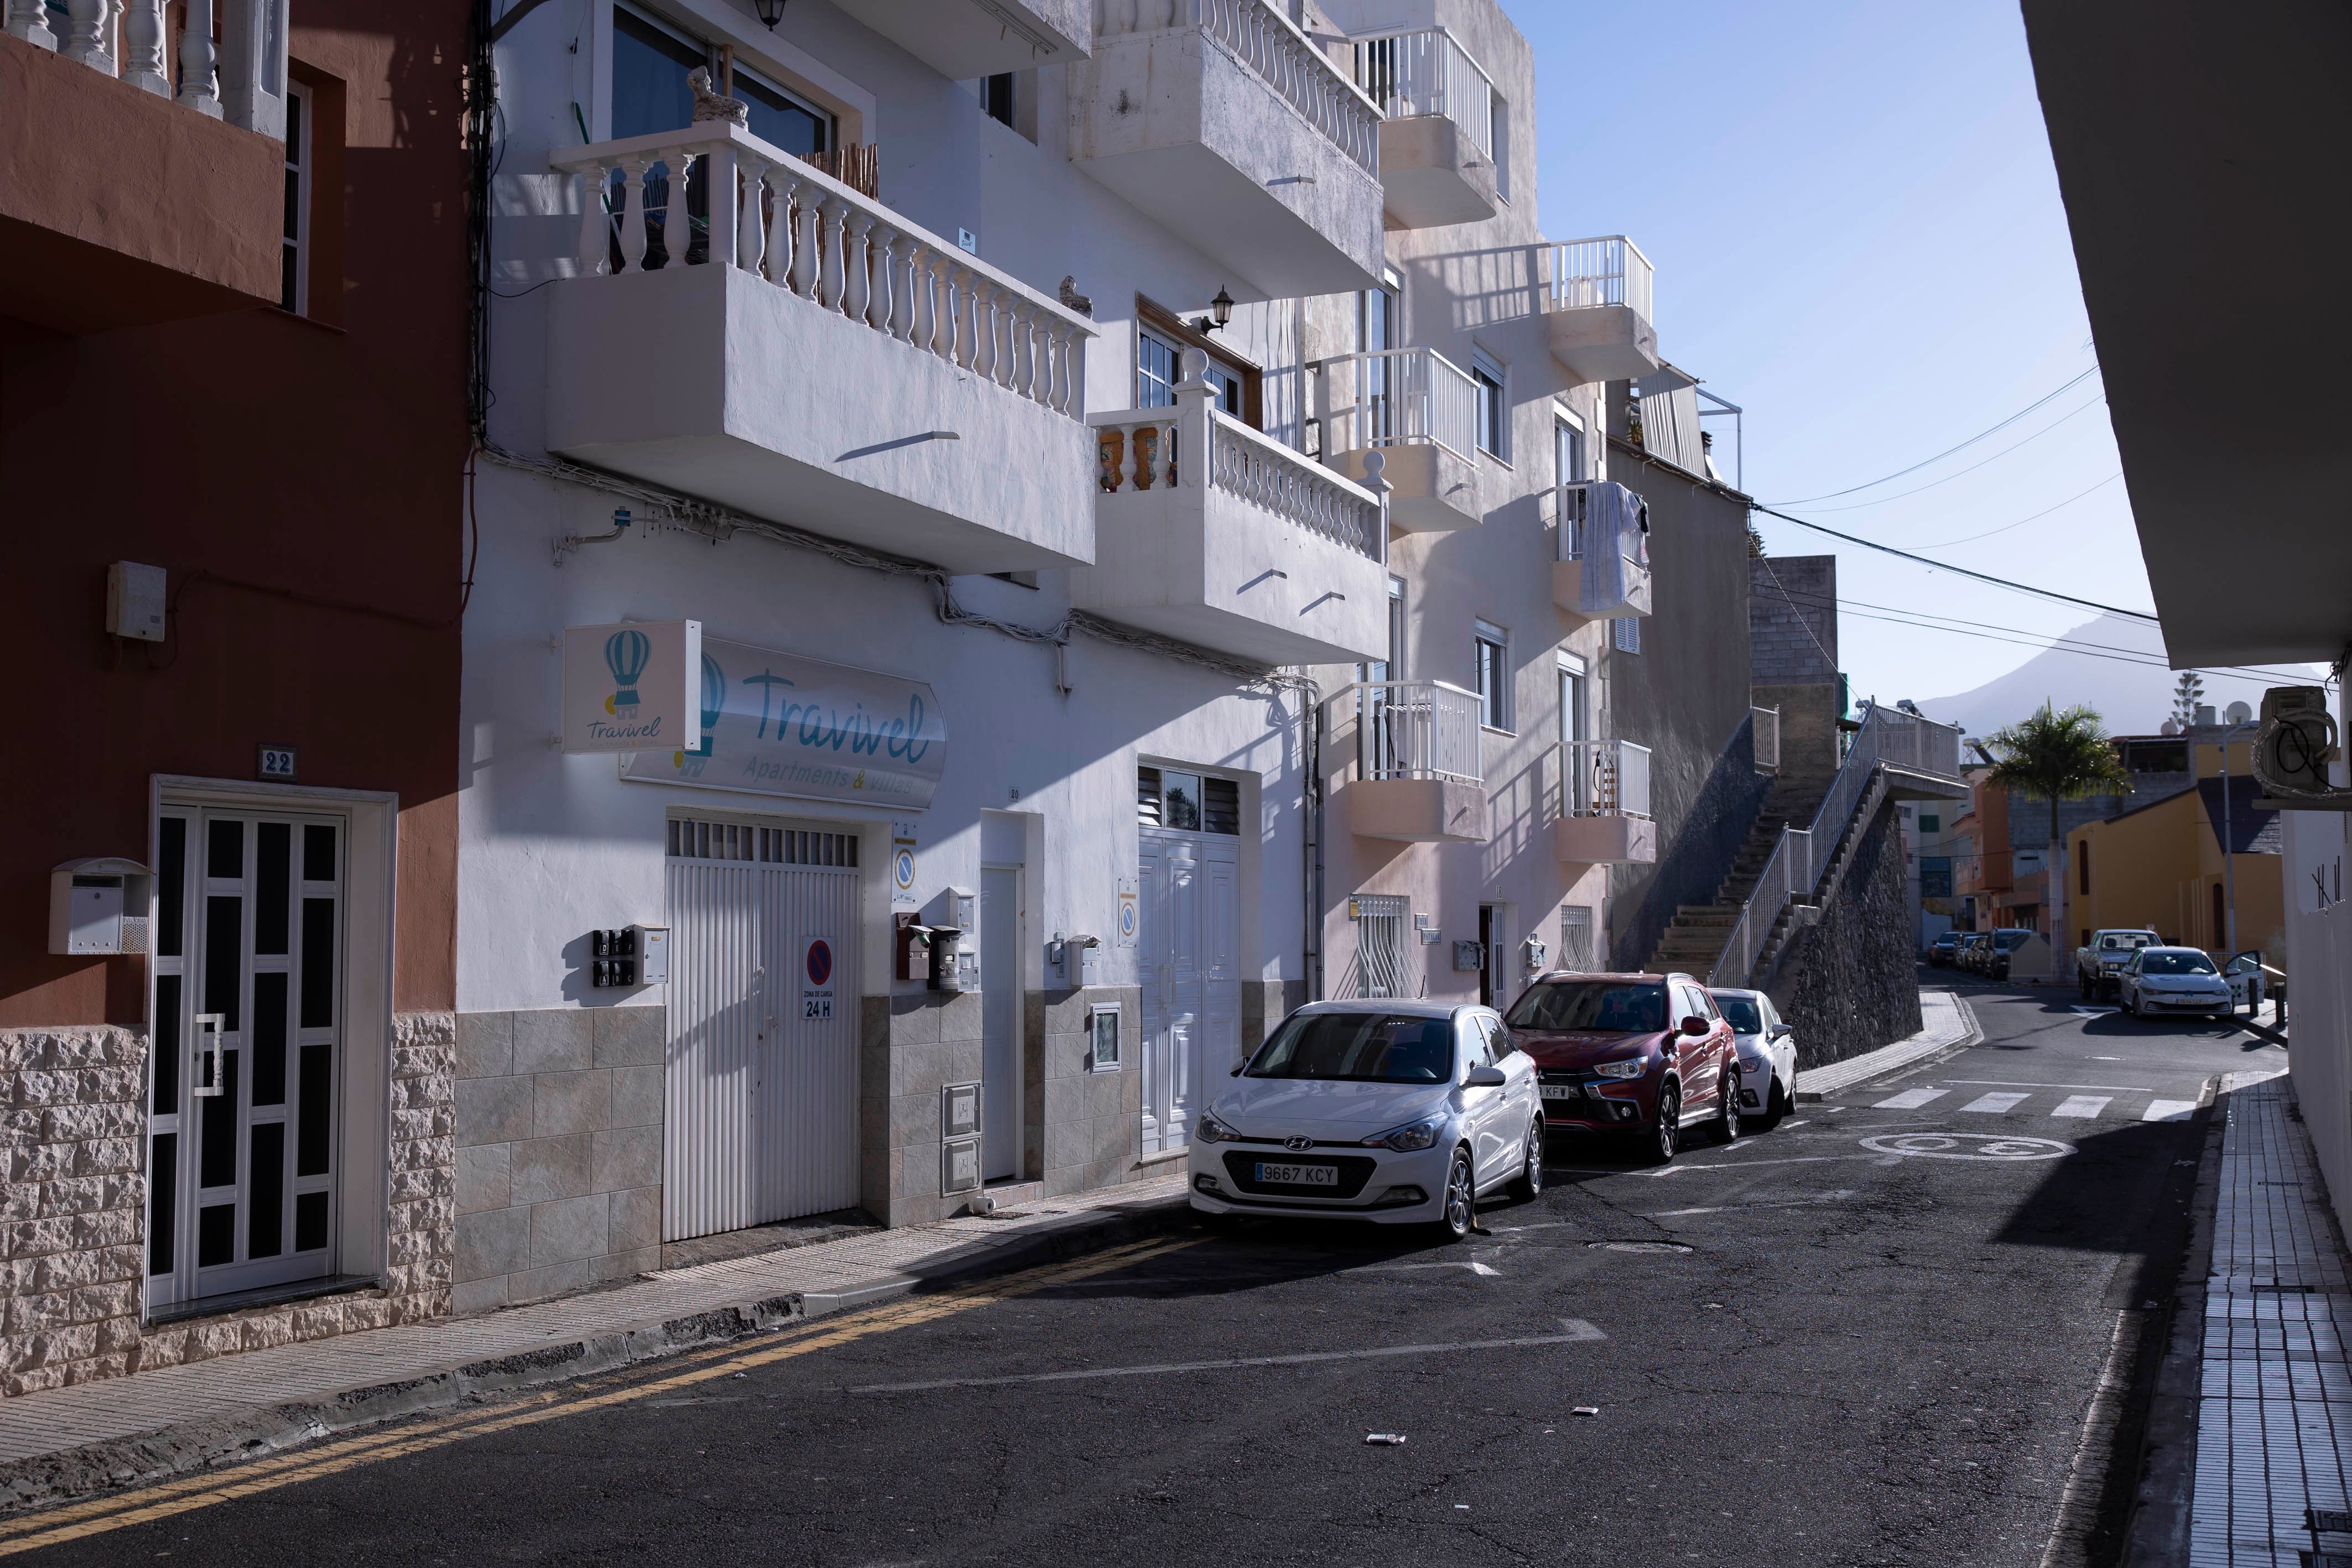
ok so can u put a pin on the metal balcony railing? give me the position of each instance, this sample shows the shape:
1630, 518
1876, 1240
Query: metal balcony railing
1608, 271
1582, 504
1392, 397
1264, 39
1604, 778
1417, 730
1425, 71
816, 238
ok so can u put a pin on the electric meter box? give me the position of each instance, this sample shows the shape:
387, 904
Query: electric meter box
955, 942
98, 906
134, 602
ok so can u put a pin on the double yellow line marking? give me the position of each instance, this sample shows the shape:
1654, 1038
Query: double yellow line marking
143, 1505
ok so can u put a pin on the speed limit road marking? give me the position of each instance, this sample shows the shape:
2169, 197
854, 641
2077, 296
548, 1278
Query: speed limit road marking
1967, 1146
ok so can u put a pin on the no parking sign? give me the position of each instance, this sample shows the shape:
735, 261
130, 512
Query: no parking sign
816, 982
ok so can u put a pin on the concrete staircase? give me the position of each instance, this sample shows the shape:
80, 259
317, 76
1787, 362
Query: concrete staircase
1694, 939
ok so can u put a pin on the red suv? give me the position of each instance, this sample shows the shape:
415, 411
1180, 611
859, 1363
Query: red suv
1648, 1054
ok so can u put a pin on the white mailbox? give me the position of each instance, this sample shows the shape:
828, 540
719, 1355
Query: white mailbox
98, 906
652, 954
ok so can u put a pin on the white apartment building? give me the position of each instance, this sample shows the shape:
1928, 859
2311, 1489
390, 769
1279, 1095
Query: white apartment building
1088, 492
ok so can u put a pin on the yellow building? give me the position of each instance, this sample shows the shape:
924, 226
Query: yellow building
2161, 866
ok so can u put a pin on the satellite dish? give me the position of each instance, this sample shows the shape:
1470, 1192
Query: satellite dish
2170, 728
2238, 713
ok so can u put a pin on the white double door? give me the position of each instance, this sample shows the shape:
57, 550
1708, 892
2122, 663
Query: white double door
1188, 940
761, 1081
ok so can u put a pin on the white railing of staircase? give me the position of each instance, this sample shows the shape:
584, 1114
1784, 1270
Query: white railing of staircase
1267, 42
822, 242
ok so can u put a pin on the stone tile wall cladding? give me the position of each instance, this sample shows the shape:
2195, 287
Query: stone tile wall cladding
1792, 620
558, 1150
73, 1213
1850, 983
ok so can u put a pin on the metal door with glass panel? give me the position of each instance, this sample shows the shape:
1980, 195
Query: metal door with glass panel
247, 1012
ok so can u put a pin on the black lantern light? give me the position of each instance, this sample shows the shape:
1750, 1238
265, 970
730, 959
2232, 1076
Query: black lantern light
771, 11
1222, 309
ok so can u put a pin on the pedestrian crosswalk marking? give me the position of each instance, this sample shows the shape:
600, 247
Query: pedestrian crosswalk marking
2086, 1106
1911, 1099
2168, 1110
1996, 1102
2071, 1107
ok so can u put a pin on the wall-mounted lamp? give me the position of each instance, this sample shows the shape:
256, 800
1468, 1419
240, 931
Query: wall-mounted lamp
771, 11
1220, 310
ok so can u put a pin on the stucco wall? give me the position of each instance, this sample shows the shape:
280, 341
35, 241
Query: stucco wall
1850, 984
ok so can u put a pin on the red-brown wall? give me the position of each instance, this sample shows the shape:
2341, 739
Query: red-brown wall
301, 479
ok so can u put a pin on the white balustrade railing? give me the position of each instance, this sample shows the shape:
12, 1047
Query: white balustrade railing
1801, 858
1604, 778
1609, 270
242, 79
753, 206
1259, 35
1764, 729
1394, 397
1425, 71
1417, 730
1152, 448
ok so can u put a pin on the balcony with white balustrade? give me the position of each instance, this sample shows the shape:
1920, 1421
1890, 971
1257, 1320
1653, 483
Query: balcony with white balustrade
1597, 308
1437, 126
1257, 551
145, 161
1420, 775
1602, 569
1604, 805
1222, 119
1419, 412
965, 40
812, 358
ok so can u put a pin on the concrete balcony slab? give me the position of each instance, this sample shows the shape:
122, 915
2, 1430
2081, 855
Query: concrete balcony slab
1431, 489
1276, 182
962, 40
1605, 840
1568, 593
1415, 811
1431, 175
1604, 342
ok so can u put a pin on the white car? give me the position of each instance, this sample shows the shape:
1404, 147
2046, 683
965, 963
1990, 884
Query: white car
1768, 1054
2173, 980
1401, 1113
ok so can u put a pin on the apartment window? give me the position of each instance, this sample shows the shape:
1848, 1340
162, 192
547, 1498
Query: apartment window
1490, 654
1500, 126
1930, 824
294, 260
1625, 635
1494, 426
1576, 937
1159, 365
996, 97
1568, 447
651, 62
1187, 802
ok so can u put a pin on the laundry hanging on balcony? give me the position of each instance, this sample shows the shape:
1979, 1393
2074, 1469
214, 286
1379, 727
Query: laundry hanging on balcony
1616, 546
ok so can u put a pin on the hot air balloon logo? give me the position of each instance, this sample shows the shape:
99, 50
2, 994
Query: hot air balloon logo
714, 703
625, 654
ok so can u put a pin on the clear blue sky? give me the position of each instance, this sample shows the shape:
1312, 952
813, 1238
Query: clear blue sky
1858, 238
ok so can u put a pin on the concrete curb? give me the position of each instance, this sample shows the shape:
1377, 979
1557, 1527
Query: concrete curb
1897, 1058
179, 1449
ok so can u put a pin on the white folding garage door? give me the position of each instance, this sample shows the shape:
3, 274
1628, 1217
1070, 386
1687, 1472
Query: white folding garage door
761, 1077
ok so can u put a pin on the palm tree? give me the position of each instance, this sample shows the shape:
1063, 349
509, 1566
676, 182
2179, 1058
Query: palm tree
2056, 756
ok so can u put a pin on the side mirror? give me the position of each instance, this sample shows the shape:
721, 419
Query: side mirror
1782, 1032
1485, 1077
1237, 1066
1694, 1025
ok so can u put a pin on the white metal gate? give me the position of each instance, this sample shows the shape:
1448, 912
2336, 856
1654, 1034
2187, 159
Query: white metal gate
1188, 963
761, 1086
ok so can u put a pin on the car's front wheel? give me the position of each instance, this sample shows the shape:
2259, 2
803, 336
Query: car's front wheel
1530, 1185
1667, 1132
1726, 1109
1776, 1105
1461, 1197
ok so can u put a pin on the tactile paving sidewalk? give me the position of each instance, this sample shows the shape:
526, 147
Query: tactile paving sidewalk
2275, 1412
61, 1419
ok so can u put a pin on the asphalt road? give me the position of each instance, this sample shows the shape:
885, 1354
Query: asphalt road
1868, 1336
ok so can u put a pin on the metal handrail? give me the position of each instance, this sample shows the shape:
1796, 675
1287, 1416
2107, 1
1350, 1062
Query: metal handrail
1396, 397
1417, 730
1421, 71
1604, 778
1608, 269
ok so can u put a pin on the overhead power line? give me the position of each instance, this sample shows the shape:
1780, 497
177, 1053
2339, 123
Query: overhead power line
1963, 447
2022, 521
1899, 495
1960, 570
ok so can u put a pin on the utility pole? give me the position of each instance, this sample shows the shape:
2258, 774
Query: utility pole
2222, 832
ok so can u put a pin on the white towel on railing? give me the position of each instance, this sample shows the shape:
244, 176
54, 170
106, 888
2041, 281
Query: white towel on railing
1616, 531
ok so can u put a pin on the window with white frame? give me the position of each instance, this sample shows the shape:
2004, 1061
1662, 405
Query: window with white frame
1568, 447
1494, 421
1500, 124
1491, 669
1159, 364
294, 259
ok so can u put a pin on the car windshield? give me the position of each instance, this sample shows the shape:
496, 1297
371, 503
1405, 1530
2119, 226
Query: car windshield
1746, 1017
2009, 939
2125, 939
1620, 1007
2176, 964
1359, 1048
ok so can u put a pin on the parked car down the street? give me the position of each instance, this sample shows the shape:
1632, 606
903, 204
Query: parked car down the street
1974, 945
1943, 949
1768, 1054
2251, 980
2098, 962
2008, 939
1395, 1112
2157, 980
1645, 1054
